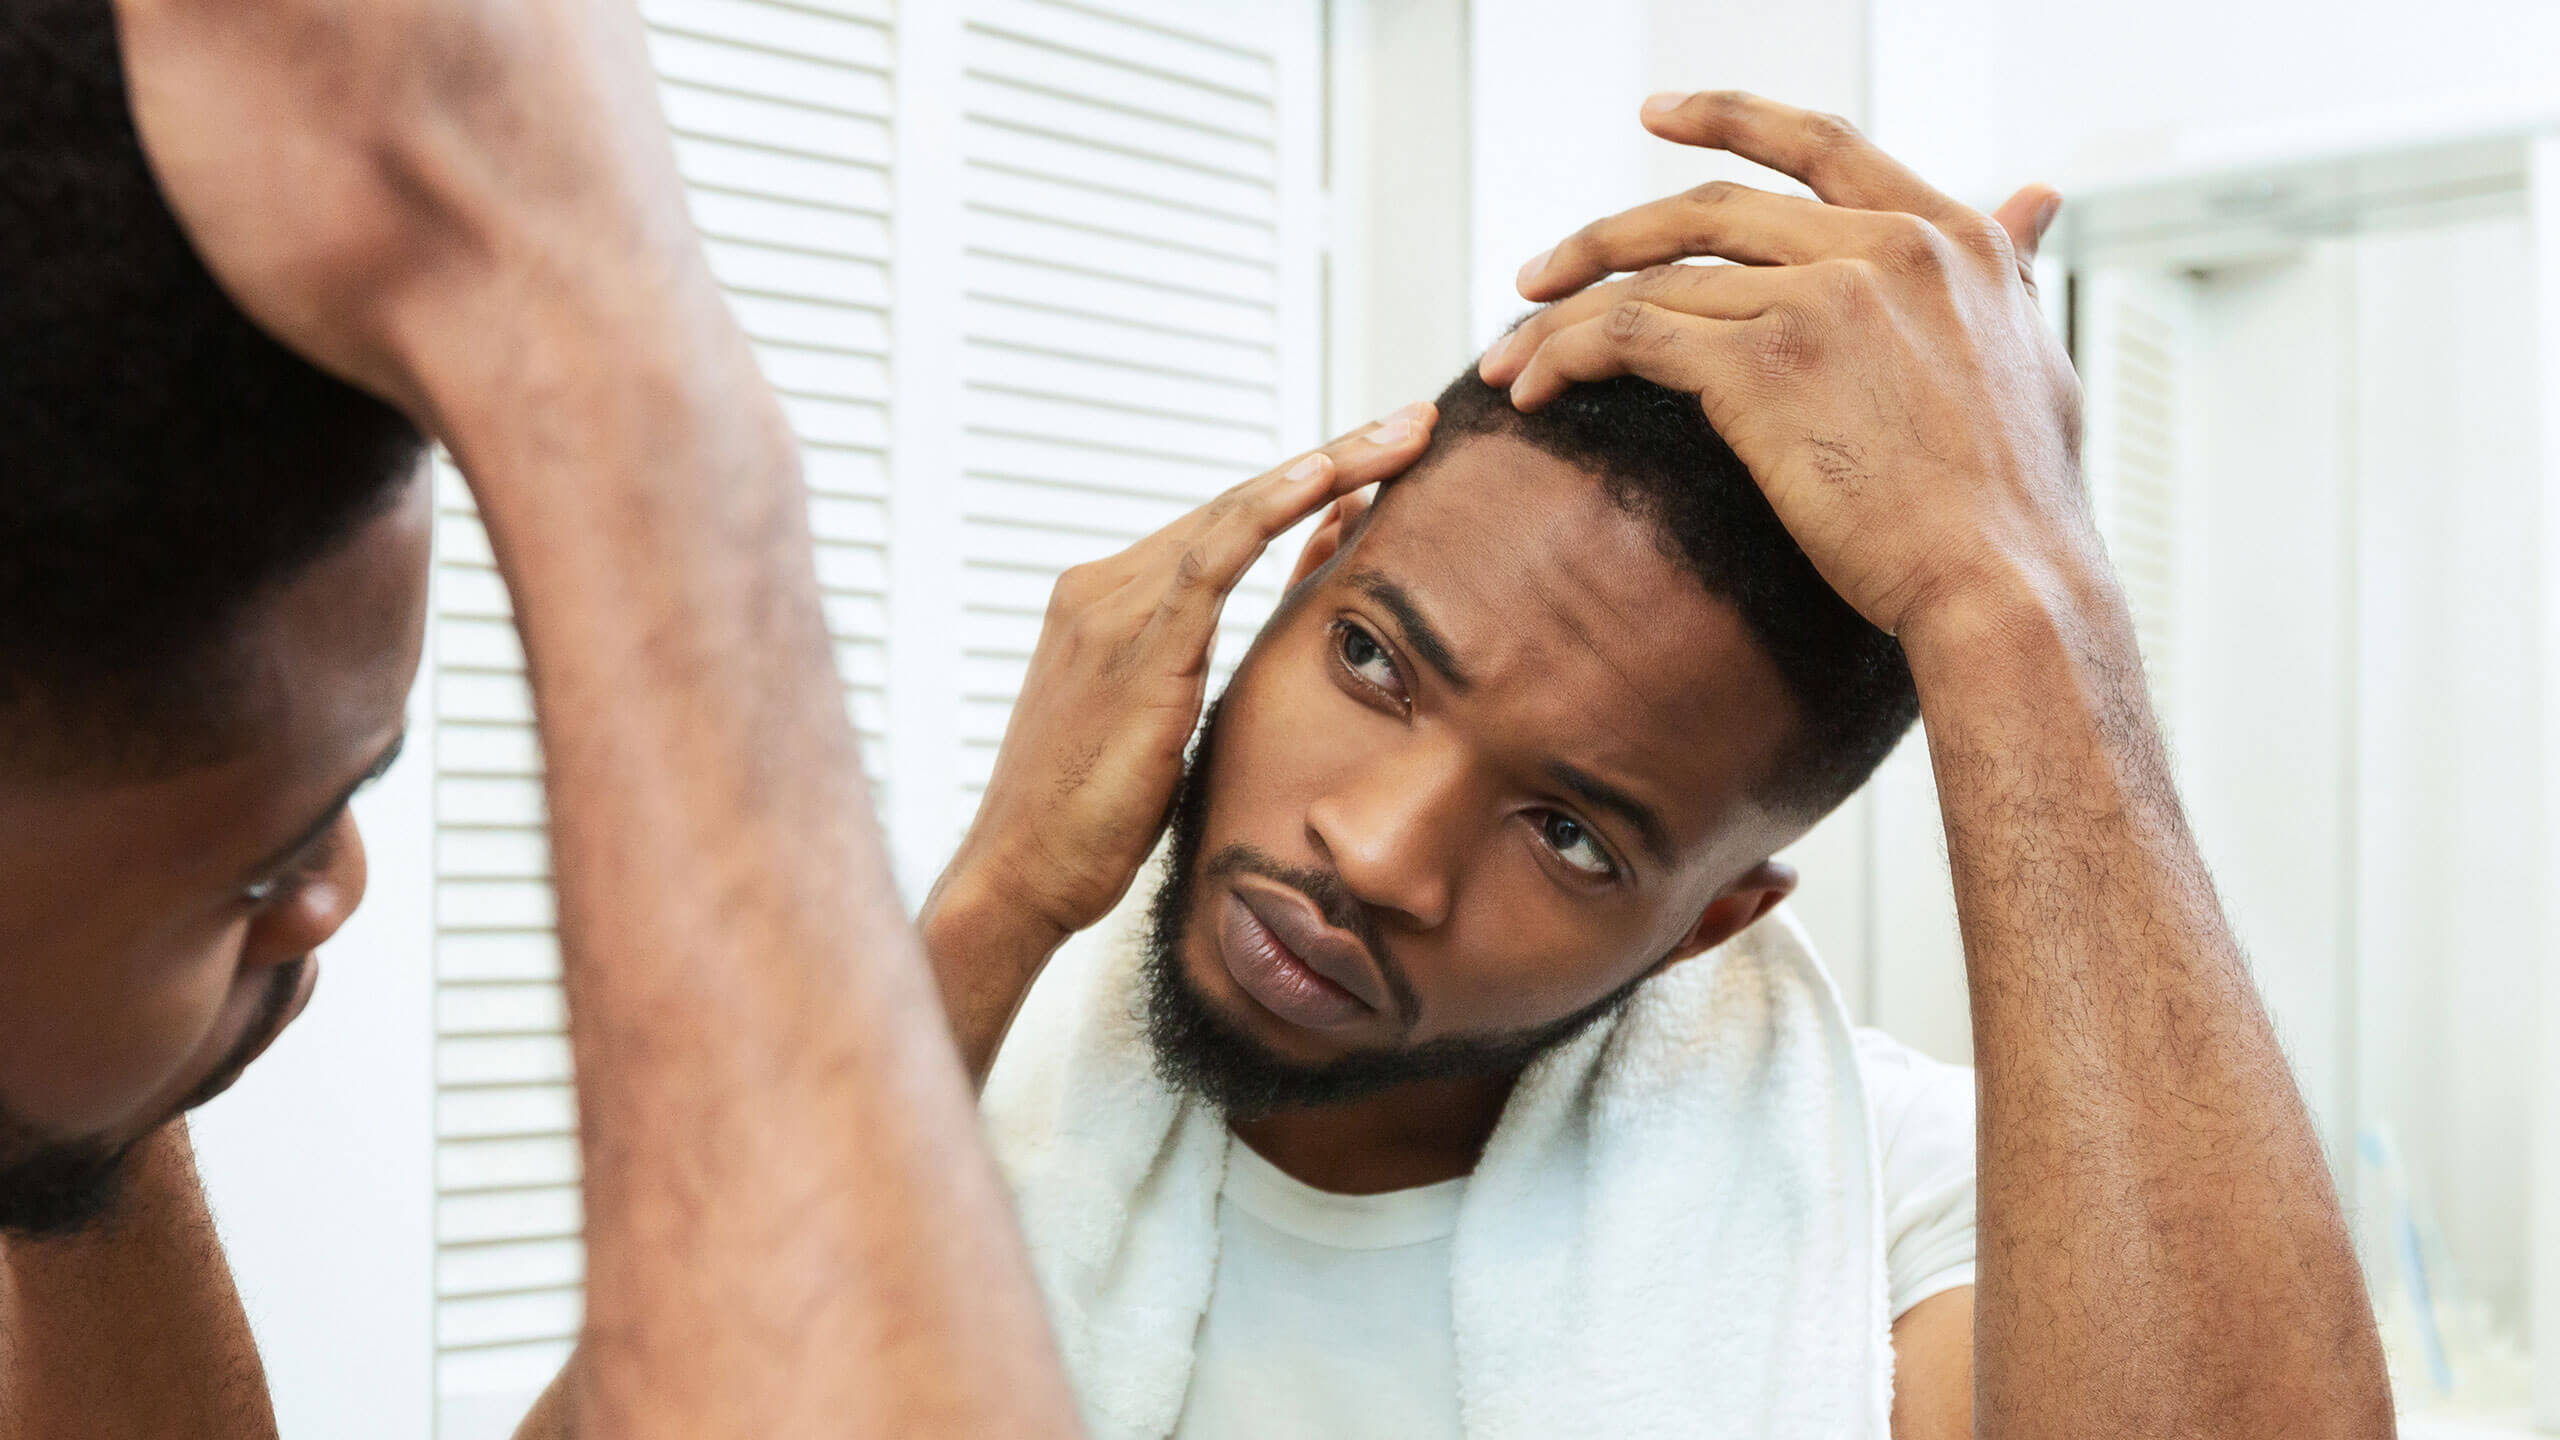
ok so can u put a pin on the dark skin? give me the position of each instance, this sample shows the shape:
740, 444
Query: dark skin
1506, 896
473, 210
146, 922
2162, 1252
144, 917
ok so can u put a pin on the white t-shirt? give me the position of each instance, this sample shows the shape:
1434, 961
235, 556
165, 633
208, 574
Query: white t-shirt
1330, 1313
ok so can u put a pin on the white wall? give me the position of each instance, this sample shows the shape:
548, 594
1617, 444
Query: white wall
319, 1164
1983, 95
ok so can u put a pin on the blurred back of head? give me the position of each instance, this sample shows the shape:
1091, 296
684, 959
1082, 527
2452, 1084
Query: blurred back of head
163, 463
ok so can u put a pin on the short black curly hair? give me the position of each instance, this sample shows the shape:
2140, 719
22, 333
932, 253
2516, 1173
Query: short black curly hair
1654, 453
162, 461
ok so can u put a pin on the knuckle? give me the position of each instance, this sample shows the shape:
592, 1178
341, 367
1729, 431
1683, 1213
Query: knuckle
1713, 194
1912, 245
1825, 132
1727, 106
1786, 339
1072, 592
1190, 569
1629, 322
1982, 236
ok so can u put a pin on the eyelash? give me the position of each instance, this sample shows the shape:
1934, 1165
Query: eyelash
1343, 632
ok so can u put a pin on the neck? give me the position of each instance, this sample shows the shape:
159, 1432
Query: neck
1417, 1134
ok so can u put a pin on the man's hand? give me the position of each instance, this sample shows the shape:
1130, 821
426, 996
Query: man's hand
377, 181
1875, 358
2162, 1251
1094, 749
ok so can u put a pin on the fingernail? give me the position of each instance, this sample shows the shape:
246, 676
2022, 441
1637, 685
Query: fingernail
1662, 100
1307, 468
1494, 352
2044, 216
1536, 263
1413, 410
1395, 430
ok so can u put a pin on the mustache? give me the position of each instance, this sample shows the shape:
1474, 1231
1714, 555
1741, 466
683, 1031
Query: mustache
1341, 909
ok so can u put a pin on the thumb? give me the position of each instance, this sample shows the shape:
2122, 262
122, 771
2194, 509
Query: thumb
2027, 215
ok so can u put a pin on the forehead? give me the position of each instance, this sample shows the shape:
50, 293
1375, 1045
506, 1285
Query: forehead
1580, 634
322, 669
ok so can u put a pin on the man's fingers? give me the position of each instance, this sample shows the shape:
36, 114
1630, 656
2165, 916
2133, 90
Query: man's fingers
1721, 292
1689, 353
1826, 152
1723, 220
1199, 559
2026, 217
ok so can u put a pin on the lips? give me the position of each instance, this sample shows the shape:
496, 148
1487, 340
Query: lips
1279, 948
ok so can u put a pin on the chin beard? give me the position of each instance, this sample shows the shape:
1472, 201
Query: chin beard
1204, 1053
52, 1188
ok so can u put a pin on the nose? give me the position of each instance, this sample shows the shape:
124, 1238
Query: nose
300, 920
1390, 832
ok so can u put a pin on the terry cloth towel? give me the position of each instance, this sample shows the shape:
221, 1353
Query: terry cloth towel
1676, 1228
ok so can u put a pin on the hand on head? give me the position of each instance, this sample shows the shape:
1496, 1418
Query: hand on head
1875, 357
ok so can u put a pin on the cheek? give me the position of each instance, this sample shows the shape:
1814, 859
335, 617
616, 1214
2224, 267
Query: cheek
1520, 953
93, 1044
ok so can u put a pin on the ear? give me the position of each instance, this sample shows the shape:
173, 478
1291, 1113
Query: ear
1338, 525
1732, 911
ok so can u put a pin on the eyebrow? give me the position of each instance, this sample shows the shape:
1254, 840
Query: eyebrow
1418, 633
1647, 825
310, 835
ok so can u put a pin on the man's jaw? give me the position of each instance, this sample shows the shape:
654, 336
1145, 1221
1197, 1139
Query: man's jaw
288, 994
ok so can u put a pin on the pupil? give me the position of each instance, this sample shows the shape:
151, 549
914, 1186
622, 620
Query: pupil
1361, 648
1564, 832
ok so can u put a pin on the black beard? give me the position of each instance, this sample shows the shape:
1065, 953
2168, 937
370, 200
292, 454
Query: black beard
1205, 1054
51, 1188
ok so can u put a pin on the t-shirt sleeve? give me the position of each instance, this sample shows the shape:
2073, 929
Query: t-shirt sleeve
1923, 1111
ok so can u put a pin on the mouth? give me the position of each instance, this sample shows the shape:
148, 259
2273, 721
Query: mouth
1278, 948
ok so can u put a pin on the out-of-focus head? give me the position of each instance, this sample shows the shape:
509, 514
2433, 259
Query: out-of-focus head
1519, 737
212, 595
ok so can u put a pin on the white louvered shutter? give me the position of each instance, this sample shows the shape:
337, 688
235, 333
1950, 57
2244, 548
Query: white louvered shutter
1138, 231
2135, 359
781, 113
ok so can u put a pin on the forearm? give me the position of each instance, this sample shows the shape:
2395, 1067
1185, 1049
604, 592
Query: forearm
2162, 1249
132, 1330
792, 1226
986, 952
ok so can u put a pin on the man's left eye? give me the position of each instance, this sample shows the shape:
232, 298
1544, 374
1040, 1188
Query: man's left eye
1574, 845
1363, 656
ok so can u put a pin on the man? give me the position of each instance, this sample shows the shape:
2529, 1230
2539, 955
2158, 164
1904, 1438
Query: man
212, 574
1468, 1083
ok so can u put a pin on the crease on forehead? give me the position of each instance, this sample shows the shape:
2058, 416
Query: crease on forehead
1568, 583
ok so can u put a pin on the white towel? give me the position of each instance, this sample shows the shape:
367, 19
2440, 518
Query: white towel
1676, 1228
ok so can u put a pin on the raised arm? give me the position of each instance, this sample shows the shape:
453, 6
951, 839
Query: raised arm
2162, 1250
472, 208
